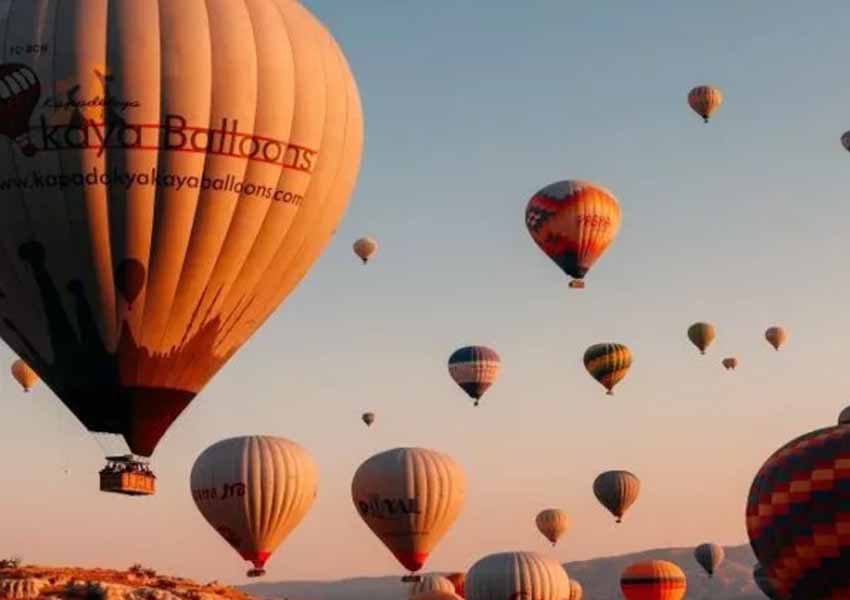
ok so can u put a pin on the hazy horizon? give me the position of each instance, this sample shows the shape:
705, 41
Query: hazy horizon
469, 110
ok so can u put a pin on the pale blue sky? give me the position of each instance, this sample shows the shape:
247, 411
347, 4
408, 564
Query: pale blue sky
471, 107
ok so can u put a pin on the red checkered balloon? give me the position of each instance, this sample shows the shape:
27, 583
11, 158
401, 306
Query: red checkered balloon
798, 516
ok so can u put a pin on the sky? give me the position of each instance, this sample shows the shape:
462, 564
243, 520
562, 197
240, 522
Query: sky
471, 107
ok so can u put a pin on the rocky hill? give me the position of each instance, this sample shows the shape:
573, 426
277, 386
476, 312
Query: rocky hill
599, 577
137, 583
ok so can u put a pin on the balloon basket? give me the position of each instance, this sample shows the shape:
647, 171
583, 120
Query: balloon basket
256, 573
577, 284
125, 475
411, 579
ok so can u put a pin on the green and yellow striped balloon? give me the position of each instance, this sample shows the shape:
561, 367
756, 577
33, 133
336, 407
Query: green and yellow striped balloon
608, 363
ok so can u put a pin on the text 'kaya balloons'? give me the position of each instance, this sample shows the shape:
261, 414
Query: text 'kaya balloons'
616, 491
24, 375
573, 222
653, 580
475, 369
517, 575
704, 100
552, 523
409, 497
797, 516
608, 364
176, 169
254, 491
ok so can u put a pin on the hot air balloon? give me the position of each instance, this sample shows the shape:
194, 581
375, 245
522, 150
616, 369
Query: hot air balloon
517, 576
797, 513
653, 580
709, 556
616, 491
844, 416
365, 248
368, 418
701, 335
24, 375
608, 364
553, 523
254, 491
431, 583
436, 595
845, 140
573, 222
704, 100
776, 336
576, 591
765, 582
160, 229
475, 369
458, 580
409, 497
730, 363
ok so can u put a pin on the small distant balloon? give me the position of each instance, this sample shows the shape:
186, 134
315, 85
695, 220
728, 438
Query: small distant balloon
608, 364
365, 248
730, 363
459, 581
24, 374
704, 100
553, 523
368, 418
573, 222
130, 279
617, 491
653, 580
702, 335
709, 556
431, 583
776, 336
845, 140
475, 369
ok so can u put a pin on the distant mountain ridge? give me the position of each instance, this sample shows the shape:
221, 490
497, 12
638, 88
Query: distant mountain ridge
600, 578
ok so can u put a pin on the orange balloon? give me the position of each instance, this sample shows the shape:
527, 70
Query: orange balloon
704, 100
24, 374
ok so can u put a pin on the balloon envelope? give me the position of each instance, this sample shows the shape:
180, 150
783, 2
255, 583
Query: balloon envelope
608, 364
616, 491
368, 418
553, 523
459, 581
573, 222
409, 497
24, 375
365, 248
776, 336
653, 580
517, 575
845, 140
709, 556
730, 363
576, 591
702, 335
146, 238
704, 100
436, 595
254, 491
800, 496
431, 583
765, 582
475, 369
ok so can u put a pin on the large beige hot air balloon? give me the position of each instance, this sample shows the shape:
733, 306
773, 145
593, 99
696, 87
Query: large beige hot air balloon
517, 576
254, 491
409, 497
553, 523
776, 336
169, 172
24, 375
431, 583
